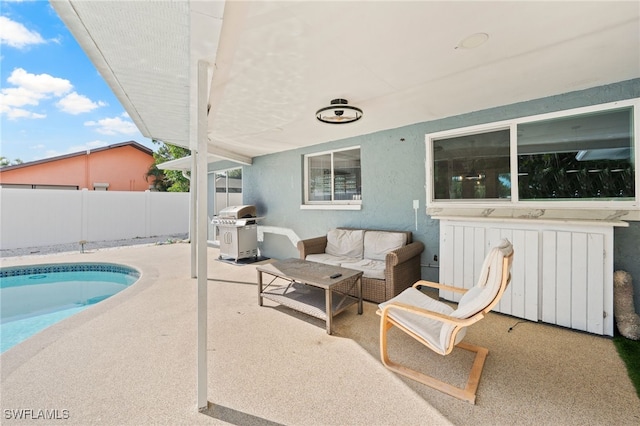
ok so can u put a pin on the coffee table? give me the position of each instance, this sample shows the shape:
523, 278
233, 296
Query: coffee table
308, 287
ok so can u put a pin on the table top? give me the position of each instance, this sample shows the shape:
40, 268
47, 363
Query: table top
307, 272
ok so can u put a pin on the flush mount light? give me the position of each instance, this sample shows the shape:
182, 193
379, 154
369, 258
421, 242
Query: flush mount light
339, 113
473, 41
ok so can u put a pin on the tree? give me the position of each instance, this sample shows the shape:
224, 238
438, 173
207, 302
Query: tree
4, 161
235, 173
168, 180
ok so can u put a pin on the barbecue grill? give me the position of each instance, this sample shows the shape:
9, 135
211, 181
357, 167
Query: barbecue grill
238, 232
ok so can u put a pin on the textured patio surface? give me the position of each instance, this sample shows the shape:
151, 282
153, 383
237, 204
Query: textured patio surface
131, 360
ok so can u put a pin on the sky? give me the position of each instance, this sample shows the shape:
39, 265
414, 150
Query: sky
53, 101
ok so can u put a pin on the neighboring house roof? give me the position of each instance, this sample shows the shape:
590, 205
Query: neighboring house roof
133, 144
272, 64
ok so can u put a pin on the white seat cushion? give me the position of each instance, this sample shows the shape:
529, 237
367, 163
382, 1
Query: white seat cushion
427, 328
377, 244
477, 299
488, 286
329, 259
370, 268
345, 242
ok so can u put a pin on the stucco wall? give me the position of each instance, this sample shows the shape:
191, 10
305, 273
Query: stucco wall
123, 168
68, 171
393, 175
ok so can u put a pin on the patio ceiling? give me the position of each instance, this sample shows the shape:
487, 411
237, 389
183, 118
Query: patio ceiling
277, 62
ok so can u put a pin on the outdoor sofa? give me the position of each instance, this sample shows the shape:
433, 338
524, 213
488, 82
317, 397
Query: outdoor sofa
389, 260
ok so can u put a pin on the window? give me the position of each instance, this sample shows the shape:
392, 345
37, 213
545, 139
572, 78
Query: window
333, 177
228, 190
583, 156
586, 155
225, 189
472, 166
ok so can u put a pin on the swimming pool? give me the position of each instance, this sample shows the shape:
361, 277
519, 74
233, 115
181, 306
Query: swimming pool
35, 297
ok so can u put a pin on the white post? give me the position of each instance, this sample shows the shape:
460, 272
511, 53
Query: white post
193, 216
84, 214
148, 213
201, 233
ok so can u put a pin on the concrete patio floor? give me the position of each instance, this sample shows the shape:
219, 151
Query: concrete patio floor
131, 360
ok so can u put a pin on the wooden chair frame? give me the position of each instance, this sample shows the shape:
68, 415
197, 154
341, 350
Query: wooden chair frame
468, 392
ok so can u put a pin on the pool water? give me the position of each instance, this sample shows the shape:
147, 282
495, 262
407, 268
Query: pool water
33, 298
14, 332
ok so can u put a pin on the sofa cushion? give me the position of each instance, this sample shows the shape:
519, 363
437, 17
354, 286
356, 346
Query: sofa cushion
345, 242
330, 259
370, 268
377, 243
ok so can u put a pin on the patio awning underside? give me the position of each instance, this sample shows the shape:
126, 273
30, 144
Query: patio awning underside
273, 64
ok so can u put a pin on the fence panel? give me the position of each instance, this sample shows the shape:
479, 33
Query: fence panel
39, 217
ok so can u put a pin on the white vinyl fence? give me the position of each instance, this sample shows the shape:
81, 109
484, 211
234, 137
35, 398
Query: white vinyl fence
40, 217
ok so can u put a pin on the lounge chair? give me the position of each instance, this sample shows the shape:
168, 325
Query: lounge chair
440, 327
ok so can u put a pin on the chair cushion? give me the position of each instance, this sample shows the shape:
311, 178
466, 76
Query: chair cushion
485, 291
427, 328
480, 296
377, 243
345, 243
477, 299
370, 268
330, 259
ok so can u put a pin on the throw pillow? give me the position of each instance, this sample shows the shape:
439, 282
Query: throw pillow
345, 242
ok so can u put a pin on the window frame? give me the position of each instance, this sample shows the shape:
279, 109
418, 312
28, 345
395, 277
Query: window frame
328, 204
514, 201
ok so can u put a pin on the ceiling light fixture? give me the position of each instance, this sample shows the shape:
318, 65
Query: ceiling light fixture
339, 113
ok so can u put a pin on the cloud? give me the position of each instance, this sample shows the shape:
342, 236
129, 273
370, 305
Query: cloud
48, 153
15, 113
19, 96
86, 146
16, 35
31, 89
113, 126
44, 84
76, 104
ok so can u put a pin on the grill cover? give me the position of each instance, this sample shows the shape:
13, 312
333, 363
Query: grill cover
238, 212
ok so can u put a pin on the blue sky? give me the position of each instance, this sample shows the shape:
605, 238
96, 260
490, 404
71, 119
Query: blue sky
52, 101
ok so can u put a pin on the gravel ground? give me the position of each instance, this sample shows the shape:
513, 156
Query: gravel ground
91, 245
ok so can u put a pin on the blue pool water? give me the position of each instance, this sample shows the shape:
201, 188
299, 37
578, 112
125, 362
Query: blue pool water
33, 298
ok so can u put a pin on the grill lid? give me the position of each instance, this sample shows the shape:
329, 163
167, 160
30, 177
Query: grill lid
238, 212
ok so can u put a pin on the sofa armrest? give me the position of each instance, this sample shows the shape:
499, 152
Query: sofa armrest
403, 254
402, 268
312, 246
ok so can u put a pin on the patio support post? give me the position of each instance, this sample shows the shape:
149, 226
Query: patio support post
201, 232
193, 216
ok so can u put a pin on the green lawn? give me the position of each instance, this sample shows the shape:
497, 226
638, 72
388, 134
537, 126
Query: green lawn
629, 351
